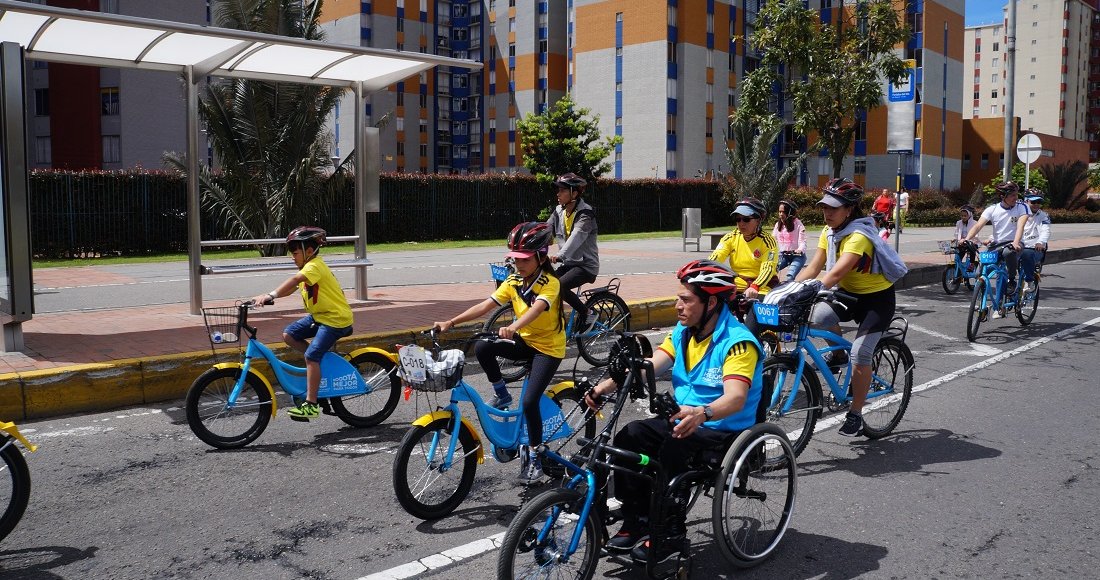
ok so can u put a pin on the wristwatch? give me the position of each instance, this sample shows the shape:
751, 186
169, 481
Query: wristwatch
708, 412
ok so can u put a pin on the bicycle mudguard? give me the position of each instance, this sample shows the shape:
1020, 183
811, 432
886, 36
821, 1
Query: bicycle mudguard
12, 430
263, 379
562, 386
366, 349
427, 419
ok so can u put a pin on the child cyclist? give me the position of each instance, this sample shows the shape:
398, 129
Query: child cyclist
329, 317
538, 331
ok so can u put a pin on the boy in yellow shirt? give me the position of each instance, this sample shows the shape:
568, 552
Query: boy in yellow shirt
329, 317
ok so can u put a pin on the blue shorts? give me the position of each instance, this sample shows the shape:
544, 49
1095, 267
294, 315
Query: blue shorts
323, 336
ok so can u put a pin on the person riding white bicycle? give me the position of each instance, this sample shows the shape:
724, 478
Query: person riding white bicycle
1036, 238
573, 224
1009, 220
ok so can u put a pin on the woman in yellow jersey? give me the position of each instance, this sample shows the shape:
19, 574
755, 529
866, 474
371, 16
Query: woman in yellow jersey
855, 257
538, 333
750, 251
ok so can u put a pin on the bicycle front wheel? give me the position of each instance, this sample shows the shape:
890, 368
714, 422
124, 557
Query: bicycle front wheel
799, 419
511, 370
15, 486
950, 280
612, 317
383, 392
891, 387
537, 542
425, 487
978, 309
215, 421
1027, 304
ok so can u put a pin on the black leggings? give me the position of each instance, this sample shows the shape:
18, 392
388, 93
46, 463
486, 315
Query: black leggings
1012, 260
543, 367
571, 277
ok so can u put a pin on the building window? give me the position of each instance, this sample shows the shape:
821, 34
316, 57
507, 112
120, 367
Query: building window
423, 101
511, 25
672, 53
108, 101
985, 161
111, 145
400, 98
996, 62
400, 24
996, 46
400, 148
41, 102
860, 165
966, 161
512, 49
710, 127
671, 125
993, 94
977, 95
996, 78
423, 149
42, 151
423, 125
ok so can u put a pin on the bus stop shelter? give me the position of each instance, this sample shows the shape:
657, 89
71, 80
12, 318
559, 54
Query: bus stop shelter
62, 35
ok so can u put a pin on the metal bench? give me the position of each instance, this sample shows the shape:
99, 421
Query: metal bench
713, 238
238, 268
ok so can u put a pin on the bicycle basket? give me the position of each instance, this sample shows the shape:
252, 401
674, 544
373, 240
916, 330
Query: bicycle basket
782, 309
949, 247
420, 370
223, 324
989, 257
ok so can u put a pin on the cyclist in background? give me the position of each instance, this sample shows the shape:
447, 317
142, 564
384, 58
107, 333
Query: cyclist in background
882, 225
573, 224
853, 255
716, 378
751, 252
329, 317
790, 239
962, 227
1009, 219
538, 333
1036, 236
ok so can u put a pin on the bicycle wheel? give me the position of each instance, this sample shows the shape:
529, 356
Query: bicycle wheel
580, 419
510, 369
950, 280
214, 421
1027, 305
978, 309
891, 387
424, 488
798, 422
537, 540
612, 317
759, 483
373, 407
15, 486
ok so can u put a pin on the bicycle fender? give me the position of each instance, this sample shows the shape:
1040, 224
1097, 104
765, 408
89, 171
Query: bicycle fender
562, 386
427, 419
263, 379
12, 430
383, 352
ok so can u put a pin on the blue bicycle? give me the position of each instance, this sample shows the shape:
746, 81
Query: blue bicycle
436, 461
797, 399
960, 270
231, 404
990, 296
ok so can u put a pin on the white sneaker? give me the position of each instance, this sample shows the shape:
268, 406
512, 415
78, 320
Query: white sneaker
998, 314
1029, 287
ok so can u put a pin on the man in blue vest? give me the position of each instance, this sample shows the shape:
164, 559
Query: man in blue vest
716, 377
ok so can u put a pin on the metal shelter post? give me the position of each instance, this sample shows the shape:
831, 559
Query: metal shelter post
360, 191
194, 211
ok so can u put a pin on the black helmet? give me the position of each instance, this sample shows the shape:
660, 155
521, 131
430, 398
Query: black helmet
529, 238
840, 192
310, 235
709, 278
1007, 188
750, 207
792, 207
571, 181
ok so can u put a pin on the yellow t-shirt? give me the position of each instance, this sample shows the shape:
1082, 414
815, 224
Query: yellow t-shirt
755, 261
546, 333
858, 280
740, 362
568, 226
323, 297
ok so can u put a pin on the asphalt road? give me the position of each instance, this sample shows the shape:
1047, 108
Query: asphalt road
992, 473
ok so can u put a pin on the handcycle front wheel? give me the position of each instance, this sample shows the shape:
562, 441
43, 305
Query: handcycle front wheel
220, 425
384, 386
423, 486
800, 419
537, 540
755, 495
1025, 309
510, 370
15, 486
892, 382
612, 317
978, 309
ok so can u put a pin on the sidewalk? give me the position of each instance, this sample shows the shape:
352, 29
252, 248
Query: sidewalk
105, 359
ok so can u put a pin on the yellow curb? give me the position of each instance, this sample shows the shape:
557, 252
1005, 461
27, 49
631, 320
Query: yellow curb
97, 387
11, 400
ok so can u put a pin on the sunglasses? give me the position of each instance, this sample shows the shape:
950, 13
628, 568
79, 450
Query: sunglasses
744, 220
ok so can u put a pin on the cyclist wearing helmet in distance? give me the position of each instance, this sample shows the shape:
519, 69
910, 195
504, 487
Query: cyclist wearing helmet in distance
329, 317
852, 254
538, 331
573, 224
751, 252
716, 378
1009, 220
1036, 237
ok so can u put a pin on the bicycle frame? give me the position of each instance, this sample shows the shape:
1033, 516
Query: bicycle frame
961, 270
994, 297
338, 377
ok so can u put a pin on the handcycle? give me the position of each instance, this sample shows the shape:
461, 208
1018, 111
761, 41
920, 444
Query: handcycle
560, 532
990, 294
612, 316
796, 396
230, 405
437, 459
959, 270
15, 487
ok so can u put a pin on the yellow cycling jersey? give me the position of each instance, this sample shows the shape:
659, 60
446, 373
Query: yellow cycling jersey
546, 333
322, 295
755, 261
858, 280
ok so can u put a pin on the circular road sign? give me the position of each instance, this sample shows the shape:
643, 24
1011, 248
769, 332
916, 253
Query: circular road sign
1029, 148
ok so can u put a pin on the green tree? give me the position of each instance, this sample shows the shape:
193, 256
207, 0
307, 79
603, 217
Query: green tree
1019, 173
830, 72
752, 169
271, 139
1063, 179
565, 139
1094, 177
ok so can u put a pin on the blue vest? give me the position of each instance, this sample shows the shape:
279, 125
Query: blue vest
703, 384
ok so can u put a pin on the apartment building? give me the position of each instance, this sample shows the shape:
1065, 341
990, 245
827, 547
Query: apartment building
1092, 120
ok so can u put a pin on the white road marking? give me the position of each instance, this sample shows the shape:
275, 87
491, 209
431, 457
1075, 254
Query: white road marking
975, 349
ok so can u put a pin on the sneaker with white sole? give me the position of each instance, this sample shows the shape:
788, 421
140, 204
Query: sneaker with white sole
853, 425
501, 402
998, 314
530, 471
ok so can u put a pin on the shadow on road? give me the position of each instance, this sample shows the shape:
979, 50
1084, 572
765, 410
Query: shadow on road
911, 451
36, 563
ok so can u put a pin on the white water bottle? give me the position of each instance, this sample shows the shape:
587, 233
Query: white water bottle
216, 337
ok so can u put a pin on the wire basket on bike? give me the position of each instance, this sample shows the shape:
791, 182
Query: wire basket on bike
432, 373
949, 247
784, 308
223, 324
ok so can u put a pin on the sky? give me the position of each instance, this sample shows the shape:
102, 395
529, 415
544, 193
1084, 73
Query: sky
985, 11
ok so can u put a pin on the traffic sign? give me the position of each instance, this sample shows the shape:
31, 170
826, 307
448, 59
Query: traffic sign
1029, 148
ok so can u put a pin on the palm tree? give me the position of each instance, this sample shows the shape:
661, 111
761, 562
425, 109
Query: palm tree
271, 139
1063, 179
752, 169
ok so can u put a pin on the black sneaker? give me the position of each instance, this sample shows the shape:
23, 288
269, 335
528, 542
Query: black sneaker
1010, 288
627, 539
836, 359
853, 425
501, 402
640, 553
